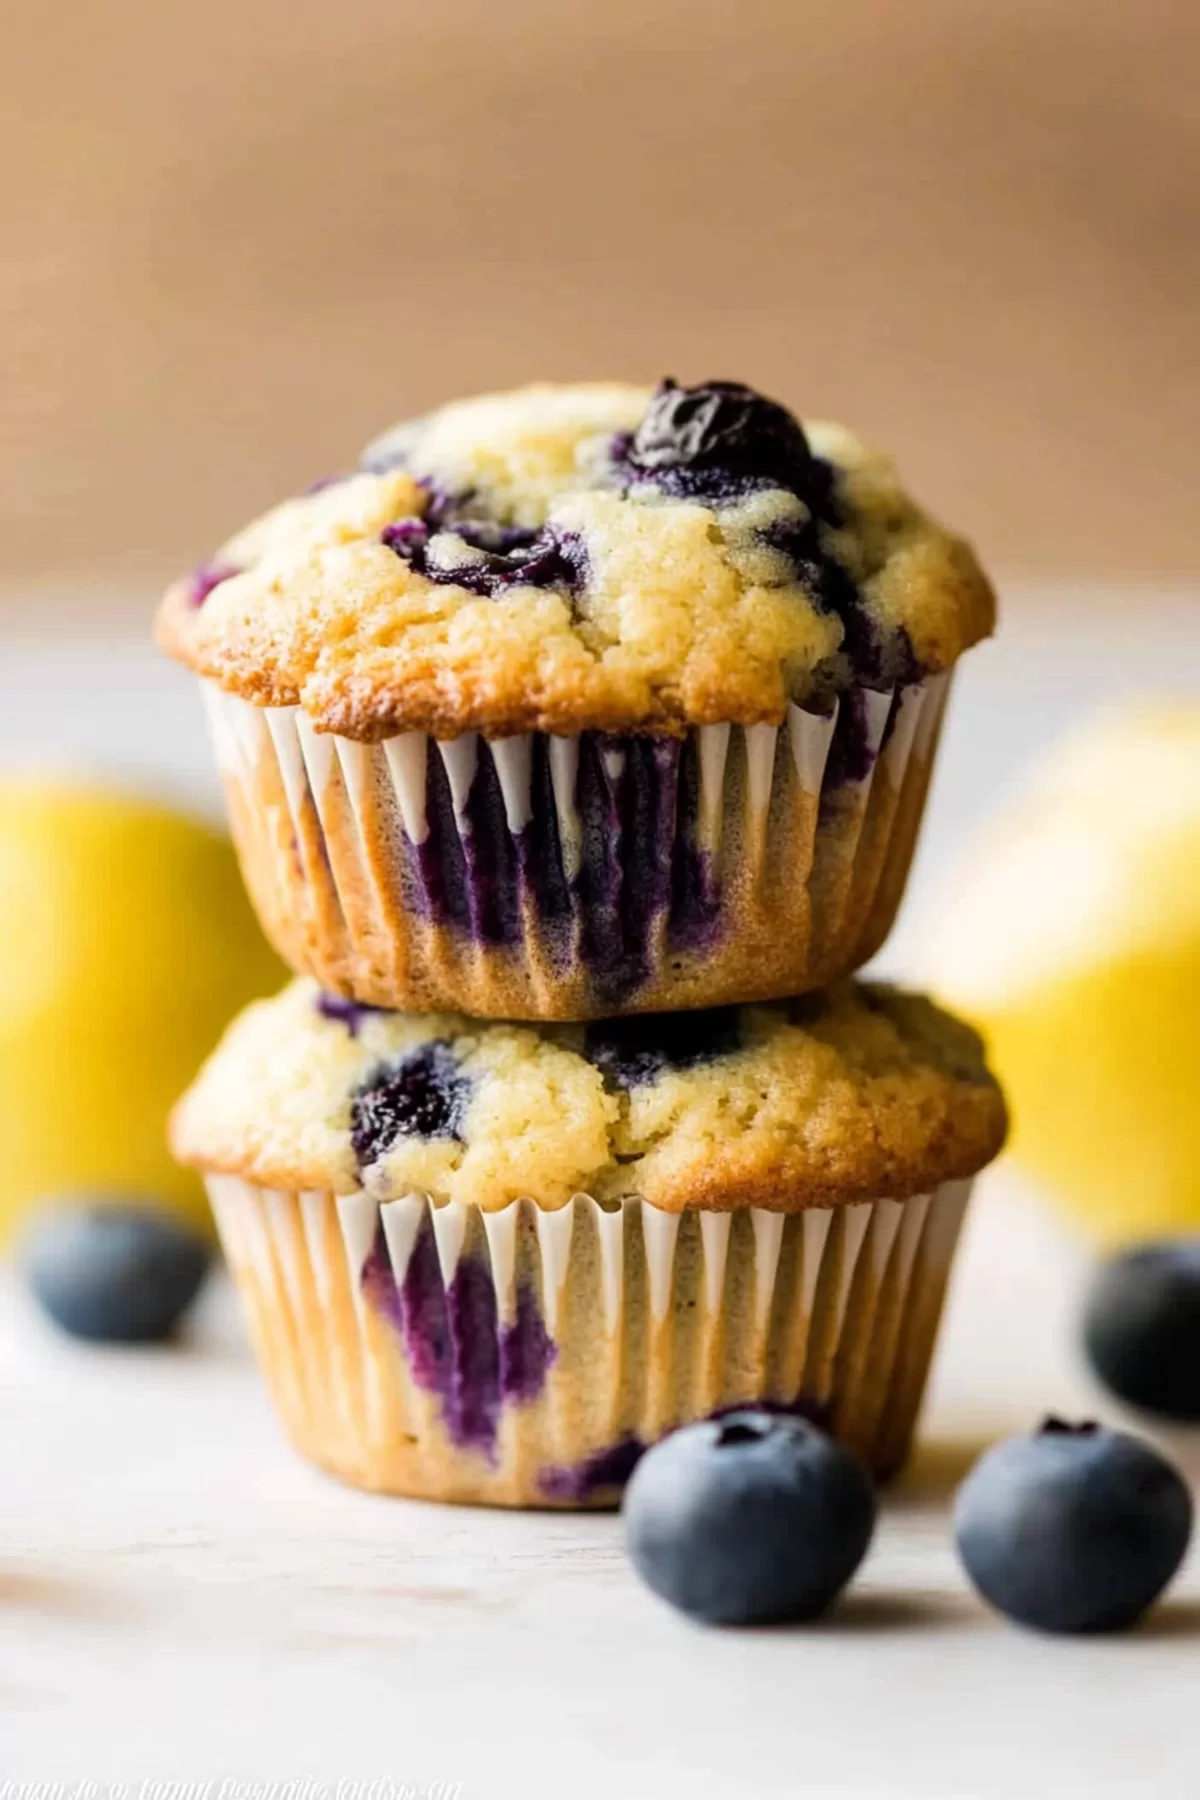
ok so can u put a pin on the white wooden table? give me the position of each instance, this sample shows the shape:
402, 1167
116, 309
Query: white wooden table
181, 1600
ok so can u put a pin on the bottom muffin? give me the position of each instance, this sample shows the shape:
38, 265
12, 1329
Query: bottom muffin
492, 1263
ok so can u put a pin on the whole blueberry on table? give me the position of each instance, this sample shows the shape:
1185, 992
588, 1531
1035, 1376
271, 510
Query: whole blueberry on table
1074, 1528
113, 1273
1141, 1327
754, 1518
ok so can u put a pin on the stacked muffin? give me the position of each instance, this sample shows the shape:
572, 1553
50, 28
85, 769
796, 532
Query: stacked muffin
575, 750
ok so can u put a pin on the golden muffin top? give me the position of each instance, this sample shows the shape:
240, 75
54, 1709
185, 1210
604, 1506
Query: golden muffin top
591, 557
861, 1092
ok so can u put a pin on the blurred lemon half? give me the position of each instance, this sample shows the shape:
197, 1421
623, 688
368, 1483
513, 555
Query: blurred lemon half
1073, 942
126, 943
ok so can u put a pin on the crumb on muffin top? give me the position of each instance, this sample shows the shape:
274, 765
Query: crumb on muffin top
591, 557
861, 1092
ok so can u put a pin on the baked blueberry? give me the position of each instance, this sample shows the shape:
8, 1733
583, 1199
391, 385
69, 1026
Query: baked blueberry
424, 1095
1074, 1528
633, 1050
208, 576
755, 1518
113, 1273
342, 1011
487, 558
717, 436
1141, 1327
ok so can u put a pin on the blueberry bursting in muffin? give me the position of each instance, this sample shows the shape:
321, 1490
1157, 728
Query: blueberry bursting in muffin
583, 700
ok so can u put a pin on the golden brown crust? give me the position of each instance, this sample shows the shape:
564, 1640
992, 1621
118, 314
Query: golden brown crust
877, 1094
687, 616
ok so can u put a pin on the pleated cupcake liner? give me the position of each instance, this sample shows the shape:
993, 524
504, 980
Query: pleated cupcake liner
539, 876
527, 1358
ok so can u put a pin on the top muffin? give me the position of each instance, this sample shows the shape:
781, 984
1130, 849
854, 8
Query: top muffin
592, 557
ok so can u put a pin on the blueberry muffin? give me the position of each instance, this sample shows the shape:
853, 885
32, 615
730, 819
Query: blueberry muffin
585, 700
492, 1262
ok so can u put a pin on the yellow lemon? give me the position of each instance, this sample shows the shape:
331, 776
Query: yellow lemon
126, 943
1074, 944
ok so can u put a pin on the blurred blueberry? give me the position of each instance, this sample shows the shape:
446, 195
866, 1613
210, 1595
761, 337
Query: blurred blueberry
113, 1273
1074, 1528
1141, 1327
754, 1518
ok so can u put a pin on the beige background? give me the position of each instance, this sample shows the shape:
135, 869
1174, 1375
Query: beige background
239, 237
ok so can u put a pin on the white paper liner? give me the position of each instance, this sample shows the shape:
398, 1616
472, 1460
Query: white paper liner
652, 1319
809, 875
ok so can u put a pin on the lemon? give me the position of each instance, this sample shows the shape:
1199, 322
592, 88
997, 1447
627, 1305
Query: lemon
126, 943
1074, 944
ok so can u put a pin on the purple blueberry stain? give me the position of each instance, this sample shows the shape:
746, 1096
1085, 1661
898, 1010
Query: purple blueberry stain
485, 556
408, 538
422, 1095
203, 580
630, 1052
598, 884
471, 879
494, 859
436, 876
851, 757
453, 1342
378, 1283
526, 1349
640, 870
342, 1011
471, 1397
875, 655
608, 1469
482, 880
424, 1317
604, 1471
695, 920
626, 793
542, 851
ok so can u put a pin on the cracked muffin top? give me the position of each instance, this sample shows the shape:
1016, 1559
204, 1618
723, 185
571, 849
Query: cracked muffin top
859, 1093
592, 557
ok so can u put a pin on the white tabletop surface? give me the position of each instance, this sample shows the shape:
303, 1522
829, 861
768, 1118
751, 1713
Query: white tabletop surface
182, 1601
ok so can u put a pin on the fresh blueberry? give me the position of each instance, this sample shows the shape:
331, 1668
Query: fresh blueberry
1074, 1528
1141, 1327
423, 1095
637, 1049
754, 1518
114, 1273
718, 436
